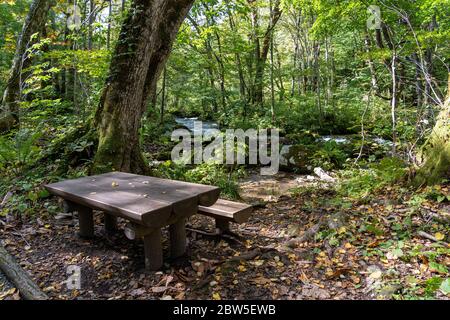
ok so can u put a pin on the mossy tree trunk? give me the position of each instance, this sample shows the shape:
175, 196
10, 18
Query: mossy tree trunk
144, 44
435, 153
34, 24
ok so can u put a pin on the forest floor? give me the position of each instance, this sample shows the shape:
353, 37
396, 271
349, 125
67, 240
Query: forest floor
355, 251
7, 290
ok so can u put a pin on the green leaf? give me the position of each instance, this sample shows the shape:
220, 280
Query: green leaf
43, 193
22, 207
33, 196
445, 286
432, 284
434, 266
396, 253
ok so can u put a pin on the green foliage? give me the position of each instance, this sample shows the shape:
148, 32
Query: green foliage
19, 151
360, 183
329, 156
11, 19
217, 175
435, 193
207, 173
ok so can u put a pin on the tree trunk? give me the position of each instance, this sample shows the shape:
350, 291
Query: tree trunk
373, 75
317, 82
279, 83
242, 84
219, 58
34, 24
435, 154
262, 52
91, 22
108, 32
418, 89
210, 64
428, 67
394, 102
272, 83
143, 47
163, 95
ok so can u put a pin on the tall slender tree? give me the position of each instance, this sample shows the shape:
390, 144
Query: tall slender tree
32, 28
262, 50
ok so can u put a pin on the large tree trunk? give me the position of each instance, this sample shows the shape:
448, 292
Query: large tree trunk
143, 47
34, 23
435, 154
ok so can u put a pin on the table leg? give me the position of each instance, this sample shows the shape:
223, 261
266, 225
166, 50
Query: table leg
153, 250
178, 238
68, 206
110, 223
223, 225
86, 221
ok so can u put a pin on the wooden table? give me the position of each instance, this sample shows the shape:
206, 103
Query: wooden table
149, 204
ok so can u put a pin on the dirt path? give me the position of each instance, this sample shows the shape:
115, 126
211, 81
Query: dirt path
258, 188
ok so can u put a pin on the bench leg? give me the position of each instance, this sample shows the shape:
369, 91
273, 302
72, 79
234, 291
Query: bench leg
223, 225
86, 221
110, 223
177, 238
153, 250
68, 206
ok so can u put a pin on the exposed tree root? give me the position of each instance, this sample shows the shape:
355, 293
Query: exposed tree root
307, 235
250, 254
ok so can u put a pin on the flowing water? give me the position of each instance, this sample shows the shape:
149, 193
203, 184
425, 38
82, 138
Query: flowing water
208, 127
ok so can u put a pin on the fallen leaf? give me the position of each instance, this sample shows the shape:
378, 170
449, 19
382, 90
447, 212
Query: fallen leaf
439, 236
445, 286
261, 280
159, 289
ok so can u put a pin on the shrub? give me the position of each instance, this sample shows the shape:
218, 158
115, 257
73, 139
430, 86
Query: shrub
20, 151
360, 183
206, 173
329, 156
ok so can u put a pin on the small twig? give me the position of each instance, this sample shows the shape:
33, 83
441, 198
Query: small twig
308, 234
203, 282
218, 234
5, 199
205, 233
250, 254
440, 218
429, 237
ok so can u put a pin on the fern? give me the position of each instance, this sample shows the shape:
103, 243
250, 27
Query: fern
20, 151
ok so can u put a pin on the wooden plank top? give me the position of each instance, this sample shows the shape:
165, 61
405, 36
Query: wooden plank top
141, 198
230, 210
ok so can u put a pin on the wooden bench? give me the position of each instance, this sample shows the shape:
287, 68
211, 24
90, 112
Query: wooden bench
225, 211
148, 203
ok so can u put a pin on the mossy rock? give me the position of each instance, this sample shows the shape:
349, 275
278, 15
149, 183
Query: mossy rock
295, 157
